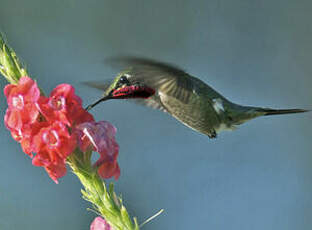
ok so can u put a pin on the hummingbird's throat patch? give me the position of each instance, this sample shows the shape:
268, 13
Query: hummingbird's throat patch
133, 91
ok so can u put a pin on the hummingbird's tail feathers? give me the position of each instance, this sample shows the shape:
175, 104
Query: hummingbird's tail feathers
268, 112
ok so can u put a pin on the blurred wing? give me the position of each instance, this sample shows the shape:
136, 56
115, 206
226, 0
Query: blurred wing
100, 85
152, 102
164, 78
124, 62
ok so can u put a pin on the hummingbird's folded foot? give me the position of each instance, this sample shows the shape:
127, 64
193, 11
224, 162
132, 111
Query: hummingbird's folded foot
212, 134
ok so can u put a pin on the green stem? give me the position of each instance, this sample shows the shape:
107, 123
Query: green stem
10, 66
105, 202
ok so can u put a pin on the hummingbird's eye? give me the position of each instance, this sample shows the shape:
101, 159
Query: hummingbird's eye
123, 80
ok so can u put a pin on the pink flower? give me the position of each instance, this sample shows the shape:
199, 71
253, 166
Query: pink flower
100, 224
55, 139
53, 144
22, 113
108, 168
46, 126
55, 168
25, 136
22, 99
64, 105
100, 136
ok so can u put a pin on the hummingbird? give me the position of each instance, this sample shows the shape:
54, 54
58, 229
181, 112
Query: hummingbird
172, 90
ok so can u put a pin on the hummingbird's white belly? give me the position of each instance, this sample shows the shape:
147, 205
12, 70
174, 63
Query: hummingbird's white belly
218, 107
224, 127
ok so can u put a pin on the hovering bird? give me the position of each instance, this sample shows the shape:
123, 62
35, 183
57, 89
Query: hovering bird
188, 99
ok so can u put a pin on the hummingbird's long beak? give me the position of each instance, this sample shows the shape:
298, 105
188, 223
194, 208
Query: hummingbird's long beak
107, 97
126, 92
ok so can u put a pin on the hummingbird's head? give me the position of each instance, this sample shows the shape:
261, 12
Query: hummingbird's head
124, 86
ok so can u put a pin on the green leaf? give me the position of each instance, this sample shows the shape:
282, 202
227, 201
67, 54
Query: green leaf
125, 217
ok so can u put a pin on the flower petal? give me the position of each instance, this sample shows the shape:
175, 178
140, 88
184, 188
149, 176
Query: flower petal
100, 224
100, 136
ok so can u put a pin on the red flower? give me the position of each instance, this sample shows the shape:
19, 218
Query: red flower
64, 105
25, 136
100, 136
55, 138
55, 168
53, 144
22, 114
108, 168
43, 126
22, 99
100, 224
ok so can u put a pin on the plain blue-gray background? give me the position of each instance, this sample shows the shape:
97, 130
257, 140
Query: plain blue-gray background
254, 52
